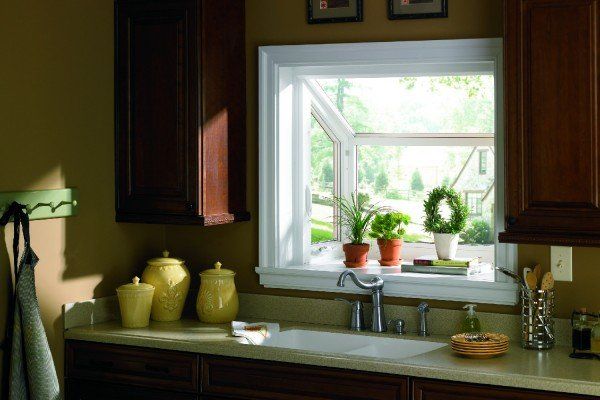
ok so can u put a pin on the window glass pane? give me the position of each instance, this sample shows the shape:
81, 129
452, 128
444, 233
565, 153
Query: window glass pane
400, 177
322, 184
429, 104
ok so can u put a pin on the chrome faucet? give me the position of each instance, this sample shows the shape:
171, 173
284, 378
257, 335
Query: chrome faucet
423, 309
357, 319
376, 288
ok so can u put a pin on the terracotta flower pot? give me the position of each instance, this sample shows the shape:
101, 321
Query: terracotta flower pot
356, 254
391, 251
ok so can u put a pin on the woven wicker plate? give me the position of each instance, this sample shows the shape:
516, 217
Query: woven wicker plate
480, 356
491, 347
480, 338
498, 350
480, 345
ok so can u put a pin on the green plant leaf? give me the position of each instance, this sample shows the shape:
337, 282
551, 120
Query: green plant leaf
434, 222
355, 215
389, 225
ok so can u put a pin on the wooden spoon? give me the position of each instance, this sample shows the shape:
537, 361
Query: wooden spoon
538, 272
547, 281
531, 281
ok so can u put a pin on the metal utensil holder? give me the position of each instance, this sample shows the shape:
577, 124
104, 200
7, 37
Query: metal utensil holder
537, 307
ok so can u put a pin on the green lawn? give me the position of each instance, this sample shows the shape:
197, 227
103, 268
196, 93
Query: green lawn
321, 231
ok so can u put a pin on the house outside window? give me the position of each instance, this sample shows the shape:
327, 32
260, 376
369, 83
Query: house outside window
389, 122
483, 162
380, 117
474, 202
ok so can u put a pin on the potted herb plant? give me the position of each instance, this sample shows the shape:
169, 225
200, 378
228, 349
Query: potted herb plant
388, 229
355, 215
445, 232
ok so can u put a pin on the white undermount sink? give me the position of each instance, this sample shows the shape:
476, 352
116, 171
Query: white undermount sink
351, 344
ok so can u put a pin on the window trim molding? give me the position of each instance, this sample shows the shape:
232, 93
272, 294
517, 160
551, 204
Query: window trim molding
282, 73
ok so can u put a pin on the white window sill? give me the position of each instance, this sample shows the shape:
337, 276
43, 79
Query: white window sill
323, 278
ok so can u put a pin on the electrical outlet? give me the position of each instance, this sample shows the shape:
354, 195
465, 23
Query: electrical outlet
562, 263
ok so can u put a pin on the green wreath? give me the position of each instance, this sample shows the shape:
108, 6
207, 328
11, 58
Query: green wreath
434, 223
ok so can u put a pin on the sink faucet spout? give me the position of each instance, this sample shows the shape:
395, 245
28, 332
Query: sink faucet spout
376, 288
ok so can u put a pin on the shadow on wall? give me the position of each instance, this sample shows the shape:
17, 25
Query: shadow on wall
81, 257
57, 105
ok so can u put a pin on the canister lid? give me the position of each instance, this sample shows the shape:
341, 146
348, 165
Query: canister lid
217, 271
165, 260
136, 285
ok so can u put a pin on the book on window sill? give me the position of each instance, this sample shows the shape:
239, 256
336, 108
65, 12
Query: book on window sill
476, 269
457, 262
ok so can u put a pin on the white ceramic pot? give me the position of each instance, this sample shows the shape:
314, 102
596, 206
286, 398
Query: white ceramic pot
446, 245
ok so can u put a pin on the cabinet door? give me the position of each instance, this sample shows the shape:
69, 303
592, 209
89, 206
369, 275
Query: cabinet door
251, 379
424, 389
551, 74
86, 390
156, 108
150, 368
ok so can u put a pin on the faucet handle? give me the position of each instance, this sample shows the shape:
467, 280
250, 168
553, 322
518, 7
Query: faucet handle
344, 300
357, 319
423, 307
350, 303
399, 326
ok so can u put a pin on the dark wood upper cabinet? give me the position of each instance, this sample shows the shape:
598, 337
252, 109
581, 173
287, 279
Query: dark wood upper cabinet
552, 166
180, 111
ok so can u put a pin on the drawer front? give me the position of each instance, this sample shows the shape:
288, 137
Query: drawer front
424, 389
261, 380
129, 365
89, 390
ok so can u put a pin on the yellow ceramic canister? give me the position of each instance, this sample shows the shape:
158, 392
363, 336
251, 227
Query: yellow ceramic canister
135, 302
217, 300
171, 279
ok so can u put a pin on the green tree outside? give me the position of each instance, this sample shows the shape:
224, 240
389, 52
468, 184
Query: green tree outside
416, 181
381, 182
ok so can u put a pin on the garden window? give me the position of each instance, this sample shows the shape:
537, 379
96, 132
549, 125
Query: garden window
387, 122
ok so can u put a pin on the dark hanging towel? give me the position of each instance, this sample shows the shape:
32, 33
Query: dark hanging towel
32, 375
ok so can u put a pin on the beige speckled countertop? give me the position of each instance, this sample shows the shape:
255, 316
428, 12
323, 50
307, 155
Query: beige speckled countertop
549, 370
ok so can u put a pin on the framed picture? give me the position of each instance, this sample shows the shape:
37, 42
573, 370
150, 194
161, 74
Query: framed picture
413, 9
326, 11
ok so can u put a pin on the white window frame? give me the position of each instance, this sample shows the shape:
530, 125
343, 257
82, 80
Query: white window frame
284, 186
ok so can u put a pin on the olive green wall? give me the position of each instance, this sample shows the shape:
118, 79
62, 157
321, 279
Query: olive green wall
274, 22
56, 131
56, 102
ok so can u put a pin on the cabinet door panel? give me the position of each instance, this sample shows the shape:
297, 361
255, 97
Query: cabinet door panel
551, 111
150, 368
157, 92
86, 390
250, 379
424, 389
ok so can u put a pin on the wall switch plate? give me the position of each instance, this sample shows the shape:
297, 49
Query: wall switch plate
561, 259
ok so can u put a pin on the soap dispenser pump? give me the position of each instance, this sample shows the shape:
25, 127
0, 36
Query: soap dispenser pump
471, 322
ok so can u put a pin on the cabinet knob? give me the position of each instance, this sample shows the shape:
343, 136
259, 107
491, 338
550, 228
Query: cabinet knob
510, 220
190, 206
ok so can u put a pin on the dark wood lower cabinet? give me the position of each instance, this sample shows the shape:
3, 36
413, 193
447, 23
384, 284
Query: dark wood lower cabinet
77, 389
102, 371
426, 389
251, 379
